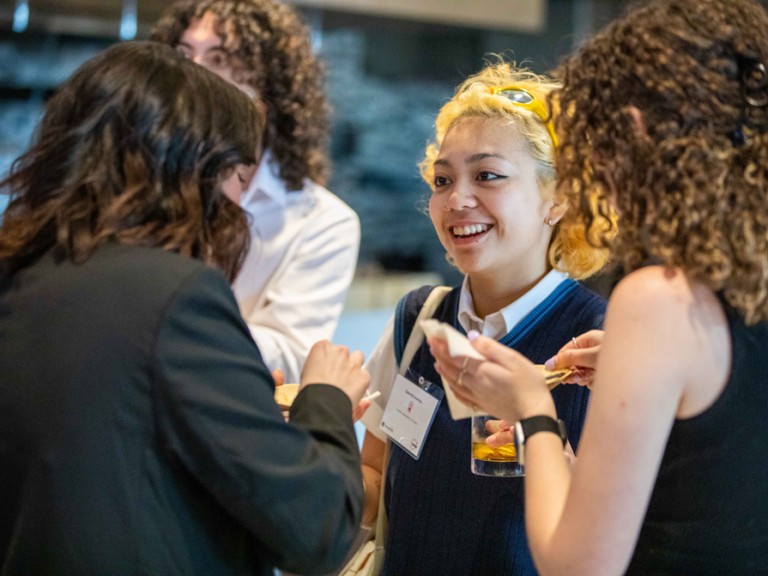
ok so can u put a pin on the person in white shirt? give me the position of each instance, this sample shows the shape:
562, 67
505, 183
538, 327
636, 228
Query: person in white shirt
304, 239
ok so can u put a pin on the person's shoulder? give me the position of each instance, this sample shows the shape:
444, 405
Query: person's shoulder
578, 308
586, 295
653, 286
663, 293
658, 311
132, 284
327, 201
150, 262
416, 297
410, 304
152, 272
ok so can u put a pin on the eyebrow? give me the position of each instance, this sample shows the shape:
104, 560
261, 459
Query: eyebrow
472, 159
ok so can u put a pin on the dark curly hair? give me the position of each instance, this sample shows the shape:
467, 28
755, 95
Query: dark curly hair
269, 48
690, 182
132, 149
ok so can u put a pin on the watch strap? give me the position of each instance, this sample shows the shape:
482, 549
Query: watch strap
534, 424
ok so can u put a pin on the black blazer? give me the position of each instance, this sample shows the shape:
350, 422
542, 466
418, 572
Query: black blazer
138, 434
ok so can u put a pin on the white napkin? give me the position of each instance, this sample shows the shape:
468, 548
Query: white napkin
458, 345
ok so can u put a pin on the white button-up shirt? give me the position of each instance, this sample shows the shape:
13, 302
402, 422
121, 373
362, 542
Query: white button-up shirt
295, 277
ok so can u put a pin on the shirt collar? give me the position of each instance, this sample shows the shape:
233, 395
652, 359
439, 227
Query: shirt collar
265, 185
501, 322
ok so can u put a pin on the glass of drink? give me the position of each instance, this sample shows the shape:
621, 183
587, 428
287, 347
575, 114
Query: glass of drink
487, 461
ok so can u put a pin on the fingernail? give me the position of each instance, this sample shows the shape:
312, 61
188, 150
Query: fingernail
473, 334
550, 364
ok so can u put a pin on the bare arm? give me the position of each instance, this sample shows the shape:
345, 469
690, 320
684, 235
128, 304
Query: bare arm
372, 456
662, 357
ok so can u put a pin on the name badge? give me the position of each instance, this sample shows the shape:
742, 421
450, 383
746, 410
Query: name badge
410, 412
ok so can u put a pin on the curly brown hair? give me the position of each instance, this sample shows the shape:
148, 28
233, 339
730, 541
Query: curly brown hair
569, 250
689, 192
132, 149
269, 48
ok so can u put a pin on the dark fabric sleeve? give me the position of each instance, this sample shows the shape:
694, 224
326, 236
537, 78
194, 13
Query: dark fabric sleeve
296, 488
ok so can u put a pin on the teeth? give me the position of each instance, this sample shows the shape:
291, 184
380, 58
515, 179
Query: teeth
470, 229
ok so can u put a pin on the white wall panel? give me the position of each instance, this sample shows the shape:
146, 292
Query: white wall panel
514, 15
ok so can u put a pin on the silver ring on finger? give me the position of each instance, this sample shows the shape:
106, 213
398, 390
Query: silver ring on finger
460, 378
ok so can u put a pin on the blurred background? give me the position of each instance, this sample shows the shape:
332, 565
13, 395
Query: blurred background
391, 64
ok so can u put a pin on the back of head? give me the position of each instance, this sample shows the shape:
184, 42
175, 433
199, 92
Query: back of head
131, 149
483, 95
665, 115
269, 48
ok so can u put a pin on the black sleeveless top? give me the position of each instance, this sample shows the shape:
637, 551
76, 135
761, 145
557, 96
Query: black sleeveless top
708, 513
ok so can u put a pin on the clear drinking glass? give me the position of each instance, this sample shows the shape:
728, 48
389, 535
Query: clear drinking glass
487, 461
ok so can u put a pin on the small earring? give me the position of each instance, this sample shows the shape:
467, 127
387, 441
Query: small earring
550, 223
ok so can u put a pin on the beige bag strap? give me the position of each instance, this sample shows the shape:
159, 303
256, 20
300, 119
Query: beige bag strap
380, 534
414, 342
417, 335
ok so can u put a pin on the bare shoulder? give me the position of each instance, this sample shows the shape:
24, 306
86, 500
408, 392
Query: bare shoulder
661, 292
645, 314
661, 311
653, 286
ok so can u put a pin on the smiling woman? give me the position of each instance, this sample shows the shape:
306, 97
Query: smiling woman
488, 212
496, 212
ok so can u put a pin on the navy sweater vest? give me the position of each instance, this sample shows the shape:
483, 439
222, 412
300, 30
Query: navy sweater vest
443, 519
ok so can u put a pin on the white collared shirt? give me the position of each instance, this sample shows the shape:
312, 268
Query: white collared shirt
383, 368
295, 277
499, 323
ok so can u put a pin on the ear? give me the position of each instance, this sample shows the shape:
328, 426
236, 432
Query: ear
556, 212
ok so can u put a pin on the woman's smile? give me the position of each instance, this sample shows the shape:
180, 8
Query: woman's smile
468, 231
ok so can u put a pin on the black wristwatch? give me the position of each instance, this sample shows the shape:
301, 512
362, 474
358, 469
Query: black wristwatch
527, 427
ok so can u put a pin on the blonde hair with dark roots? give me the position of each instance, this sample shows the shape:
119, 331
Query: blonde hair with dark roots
569, 250
687, 196
269, 48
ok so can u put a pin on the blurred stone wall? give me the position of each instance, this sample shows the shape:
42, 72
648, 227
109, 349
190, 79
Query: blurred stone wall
380, 130
386, 81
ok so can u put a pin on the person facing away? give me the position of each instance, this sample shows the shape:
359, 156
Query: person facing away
666, 114
139, 432
305, 240
495, 210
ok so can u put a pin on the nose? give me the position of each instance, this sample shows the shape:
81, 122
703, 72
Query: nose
461, 197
